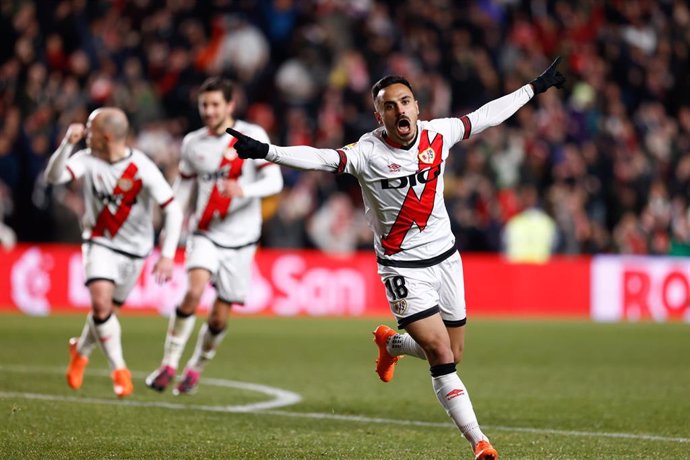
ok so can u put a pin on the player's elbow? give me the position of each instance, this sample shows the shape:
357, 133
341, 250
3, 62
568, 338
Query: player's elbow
52, 177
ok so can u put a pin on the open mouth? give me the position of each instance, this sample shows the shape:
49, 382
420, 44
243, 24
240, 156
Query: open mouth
404, 127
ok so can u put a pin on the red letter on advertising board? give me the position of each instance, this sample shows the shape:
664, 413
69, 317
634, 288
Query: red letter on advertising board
676, 306
636, 295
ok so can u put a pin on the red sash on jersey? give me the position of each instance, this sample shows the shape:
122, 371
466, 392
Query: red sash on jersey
218, 204
416, 210
128, 187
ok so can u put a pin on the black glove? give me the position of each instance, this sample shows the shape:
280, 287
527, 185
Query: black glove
246, 147
550, 77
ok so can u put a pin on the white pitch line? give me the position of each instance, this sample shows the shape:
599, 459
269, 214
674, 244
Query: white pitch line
362, 419
280, 398
284, 398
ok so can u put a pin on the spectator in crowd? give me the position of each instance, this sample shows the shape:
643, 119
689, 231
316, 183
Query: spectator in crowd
7, 236
530, 235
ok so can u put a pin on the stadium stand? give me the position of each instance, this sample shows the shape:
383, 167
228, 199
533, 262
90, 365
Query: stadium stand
609, 154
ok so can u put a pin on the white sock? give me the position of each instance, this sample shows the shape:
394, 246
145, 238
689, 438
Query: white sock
404, 344
109, 337
206, 345
87, 341
453, 396
179, 330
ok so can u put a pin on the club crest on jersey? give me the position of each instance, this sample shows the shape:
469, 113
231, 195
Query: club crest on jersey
125, 184
400, 306
427, 156
230, 153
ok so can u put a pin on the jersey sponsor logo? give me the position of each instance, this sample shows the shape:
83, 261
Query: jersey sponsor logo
415, 209
218, 204
454, 393
222, 172
122, 199
394, 167
422, 177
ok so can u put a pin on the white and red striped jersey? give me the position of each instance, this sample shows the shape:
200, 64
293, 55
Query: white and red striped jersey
209, 159
119, 199
402, 188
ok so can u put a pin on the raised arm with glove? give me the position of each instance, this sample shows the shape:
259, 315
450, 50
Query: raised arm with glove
247, 147
550, 77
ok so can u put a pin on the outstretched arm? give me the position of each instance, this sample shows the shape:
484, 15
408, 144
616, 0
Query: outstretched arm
298, 157
497, 111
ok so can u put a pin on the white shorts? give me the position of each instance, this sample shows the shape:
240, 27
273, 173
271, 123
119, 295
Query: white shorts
417, 293
230, 268
101, 263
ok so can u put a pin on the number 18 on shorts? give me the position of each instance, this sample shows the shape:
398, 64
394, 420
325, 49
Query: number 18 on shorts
416, 293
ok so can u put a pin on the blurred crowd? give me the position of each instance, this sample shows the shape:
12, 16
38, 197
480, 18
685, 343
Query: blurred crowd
608, 155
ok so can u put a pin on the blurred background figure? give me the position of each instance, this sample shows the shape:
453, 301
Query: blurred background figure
530, 235
7, 236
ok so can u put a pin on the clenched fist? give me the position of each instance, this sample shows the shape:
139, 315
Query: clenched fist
75, 133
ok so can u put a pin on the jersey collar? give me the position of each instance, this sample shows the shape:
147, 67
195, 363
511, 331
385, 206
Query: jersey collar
396, 145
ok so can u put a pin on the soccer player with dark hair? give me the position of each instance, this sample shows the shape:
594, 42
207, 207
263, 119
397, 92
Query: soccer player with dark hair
225, 229
399, 167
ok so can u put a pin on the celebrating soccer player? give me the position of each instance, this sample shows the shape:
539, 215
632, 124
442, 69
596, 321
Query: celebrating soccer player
399, 167
121, 187
225, 230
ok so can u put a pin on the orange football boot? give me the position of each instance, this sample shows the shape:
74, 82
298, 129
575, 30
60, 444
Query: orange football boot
76, 366
385, 363
122, 382
485, 451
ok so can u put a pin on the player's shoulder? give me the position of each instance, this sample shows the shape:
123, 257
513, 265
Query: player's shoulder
437, 124
194, 135
82, 155
251, 130
142, 160
366, 144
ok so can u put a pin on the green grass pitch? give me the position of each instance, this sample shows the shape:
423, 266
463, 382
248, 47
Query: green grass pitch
541, 390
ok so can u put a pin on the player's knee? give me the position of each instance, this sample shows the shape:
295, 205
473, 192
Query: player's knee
192, 299
438, 351
216, 323
101, 307
457, 355
101, 310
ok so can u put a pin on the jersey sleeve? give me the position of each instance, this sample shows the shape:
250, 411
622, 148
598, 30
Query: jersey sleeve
185, 167
76, 164
351, 158
158, 187
497, 111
